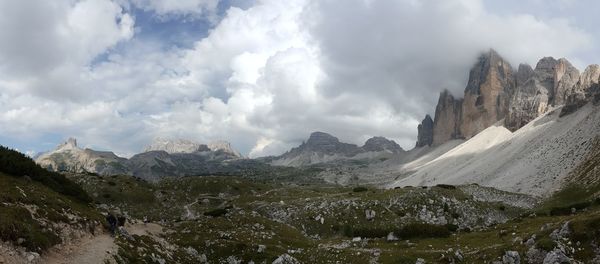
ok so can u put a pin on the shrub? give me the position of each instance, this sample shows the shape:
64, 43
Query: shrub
360, 189
452, 227
422, 230
446, 186
546, 244
364, 231
566, 210
217, 212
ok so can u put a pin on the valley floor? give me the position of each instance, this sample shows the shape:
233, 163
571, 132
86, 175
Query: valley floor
232, 220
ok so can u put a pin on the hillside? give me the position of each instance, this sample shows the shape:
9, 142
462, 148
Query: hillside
39, 209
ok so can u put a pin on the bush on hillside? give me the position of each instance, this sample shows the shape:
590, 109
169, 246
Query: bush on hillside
422, 230
567, 210
17, 164
360, 189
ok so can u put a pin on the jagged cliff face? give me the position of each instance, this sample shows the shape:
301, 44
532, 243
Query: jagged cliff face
537, 90
587, 89
565, 78
495, 92
425, 132
487, 93
448, 117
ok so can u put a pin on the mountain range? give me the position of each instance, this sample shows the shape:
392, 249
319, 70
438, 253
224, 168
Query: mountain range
521, 130
162, 158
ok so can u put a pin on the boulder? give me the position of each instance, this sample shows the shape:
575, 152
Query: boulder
286, 259
511, 257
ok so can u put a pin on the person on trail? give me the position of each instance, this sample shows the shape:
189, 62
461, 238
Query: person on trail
112, 223
145, 220
121, 220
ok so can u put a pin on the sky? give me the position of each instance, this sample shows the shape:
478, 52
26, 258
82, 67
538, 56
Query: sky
262, 74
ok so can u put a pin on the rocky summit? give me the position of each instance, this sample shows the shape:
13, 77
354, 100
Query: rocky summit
425, 132
325, 148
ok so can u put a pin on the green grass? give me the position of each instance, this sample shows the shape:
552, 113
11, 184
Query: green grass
28, 207
17, 164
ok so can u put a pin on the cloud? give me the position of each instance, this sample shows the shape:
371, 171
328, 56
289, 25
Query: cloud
179, 7
356, 70
264, 77
48, 44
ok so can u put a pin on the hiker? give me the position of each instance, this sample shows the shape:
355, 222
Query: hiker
121, 220
145, 220
112, 223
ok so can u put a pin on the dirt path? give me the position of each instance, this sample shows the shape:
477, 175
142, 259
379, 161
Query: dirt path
96, 249
91, 250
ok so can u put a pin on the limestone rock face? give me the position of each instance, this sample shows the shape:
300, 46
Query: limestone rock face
448, 117
487, 93
586, 89
565, 78
425, 132
549, 84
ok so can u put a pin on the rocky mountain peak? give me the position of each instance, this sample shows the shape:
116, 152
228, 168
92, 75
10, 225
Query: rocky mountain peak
425, 132
225, 146
189, 146
377, 144
489, 64
590, 75
487, 93
523, 74
70, 144
448, 117
321, 138
173, 145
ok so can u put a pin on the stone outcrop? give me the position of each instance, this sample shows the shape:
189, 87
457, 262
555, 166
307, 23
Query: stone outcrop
448, 117
425, 132
487, 94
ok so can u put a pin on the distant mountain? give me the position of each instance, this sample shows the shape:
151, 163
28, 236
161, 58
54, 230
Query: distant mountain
161, 158
172, 146
69, 157
322, 148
